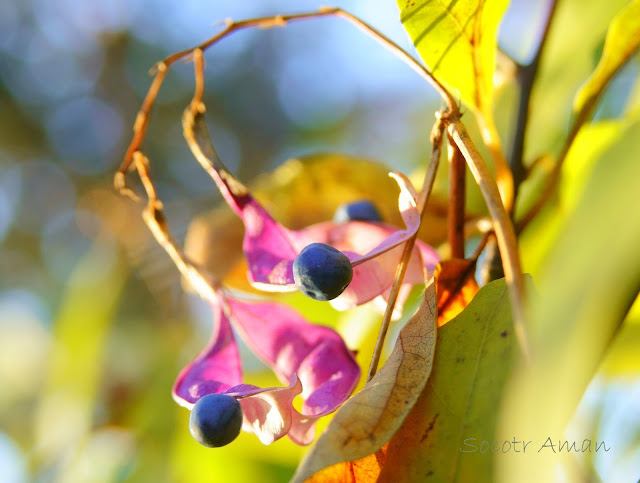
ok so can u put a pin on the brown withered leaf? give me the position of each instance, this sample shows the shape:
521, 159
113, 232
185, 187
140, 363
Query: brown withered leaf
455, 287
370, 417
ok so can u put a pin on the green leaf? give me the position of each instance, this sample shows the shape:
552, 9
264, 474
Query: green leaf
460, 400
457, 41
591, 142
623, 39
370, 417
586, 285
587, 148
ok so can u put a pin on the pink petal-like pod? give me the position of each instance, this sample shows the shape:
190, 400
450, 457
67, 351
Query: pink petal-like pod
267, 413
270, 249
216, 369
313, 360
288, 344
374, 249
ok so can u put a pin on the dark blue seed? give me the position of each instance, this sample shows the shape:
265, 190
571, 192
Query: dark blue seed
322, 272
216, 420
362, 210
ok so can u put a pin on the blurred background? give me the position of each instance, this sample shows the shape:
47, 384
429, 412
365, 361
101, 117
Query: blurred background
94, 324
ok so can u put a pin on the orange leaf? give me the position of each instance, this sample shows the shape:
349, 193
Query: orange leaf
455, 287
364, 470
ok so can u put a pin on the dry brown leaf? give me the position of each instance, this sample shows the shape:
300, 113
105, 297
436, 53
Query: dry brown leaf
455, 287
369, 418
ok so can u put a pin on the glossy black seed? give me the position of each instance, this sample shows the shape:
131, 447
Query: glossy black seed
216, 420
362, 210
322, 272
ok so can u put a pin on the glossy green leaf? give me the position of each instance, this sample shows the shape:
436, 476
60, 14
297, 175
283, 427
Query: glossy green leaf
457, 41
586, 285
457, 408
623, 39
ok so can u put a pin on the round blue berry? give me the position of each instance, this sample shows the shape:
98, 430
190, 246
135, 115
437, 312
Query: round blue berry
216, 420
362, 210
322, 272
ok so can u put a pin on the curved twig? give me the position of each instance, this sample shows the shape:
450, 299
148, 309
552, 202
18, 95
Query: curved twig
161, 68
449, 117
153, 216
526, 75
432, 168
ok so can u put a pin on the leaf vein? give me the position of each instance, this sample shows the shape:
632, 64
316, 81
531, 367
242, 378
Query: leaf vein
489, 320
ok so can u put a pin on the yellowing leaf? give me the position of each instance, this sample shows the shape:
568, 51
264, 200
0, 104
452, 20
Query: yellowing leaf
461, 398
623, 39
457, 41
372, 416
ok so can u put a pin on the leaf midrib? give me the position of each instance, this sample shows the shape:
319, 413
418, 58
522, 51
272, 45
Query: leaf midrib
456, 465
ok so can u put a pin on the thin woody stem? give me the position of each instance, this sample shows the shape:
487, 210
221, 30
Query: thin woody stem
525, 75
160, 70
503, 228
510, 174
430, 176
139, 129
153, 216
198, 64
457, 199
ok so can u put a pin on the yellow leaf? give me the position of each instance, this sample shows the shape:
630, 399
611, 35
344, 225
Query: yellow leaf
457, 41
